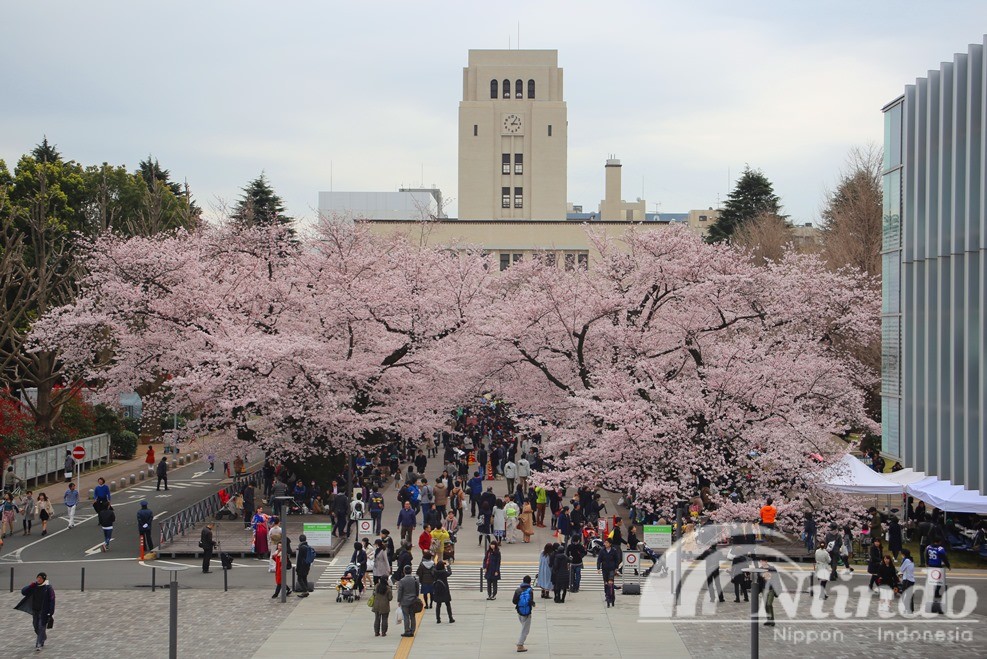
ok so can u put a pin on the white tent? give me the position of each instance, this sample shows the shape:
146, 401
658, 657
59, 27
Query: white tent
906, 476
849, 474
946, 496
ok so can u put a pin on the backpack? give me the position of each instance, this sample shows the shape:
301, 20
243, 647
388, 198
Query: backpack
357, 510
309, 555
525, 602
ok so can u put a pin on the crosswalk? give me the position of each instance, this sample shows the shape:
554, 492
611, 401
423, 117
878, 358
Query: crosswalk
137, 490
466, 576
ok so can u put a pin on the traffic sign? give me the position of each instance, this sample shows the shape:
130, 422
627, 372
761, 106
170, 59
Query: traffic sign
78, 453
936, 577
632, 559
365, 527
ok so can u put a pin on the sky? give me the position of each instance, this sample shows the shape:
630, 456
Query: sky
364, 96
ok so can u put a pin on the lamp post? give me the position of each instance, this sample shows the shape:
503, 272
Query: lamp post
173, 570
755, 605
285, 552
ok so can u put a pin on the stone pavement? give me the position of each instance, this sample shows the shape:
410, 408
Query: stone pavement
125, 623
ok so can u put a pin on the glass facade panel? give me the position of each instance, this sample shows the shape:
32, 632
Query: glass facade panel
890, 356
890, 439
892, 210
891, 282
892, 137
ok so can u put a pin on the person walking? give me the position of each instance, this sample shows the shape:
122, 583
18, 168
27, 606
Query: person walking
874, 563
887, 580
426, 578
560, 574
277, 557
376, 505
545, 570
408, 591
510, 474
541, 500
822, 568
8, 512
524, 604
101, 495
305, 557
144, 519
106, 518
491, 569
45, 512
771, 587
149, 456
69, 466
609, 560
28, 511
441, 593
383, 594
894, 536
162, 472
39, 601
523, 472
404, 559
740, 579
382, 563
512, 513
575, 552
208, 544
407, 521
809, 532
907, 572
249, 502
527, 523
71, 500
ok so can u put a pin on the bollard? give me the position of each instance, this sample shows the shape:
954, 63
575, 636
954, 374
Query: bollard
154, 571
92, 495
195, 455
113, 486
174, 463
150, 472
11, 579
225, 584
82, 581
133, 478
123, 483
141, 475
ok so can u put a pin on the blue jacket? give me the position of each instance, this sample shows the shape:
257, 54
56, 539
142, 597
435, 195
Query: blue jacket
407, 518
102, 492
475, 485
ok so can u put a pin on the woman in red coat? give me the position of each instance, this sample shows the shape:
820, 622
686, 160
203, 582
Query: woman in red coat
150, 456
425, 539
277, 572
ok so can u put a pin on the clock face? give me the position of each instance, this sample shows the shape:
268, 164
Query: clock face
512, 124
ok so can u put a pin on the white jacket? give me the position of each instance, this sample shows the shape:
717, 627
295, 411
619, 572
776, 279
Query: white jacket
510, 470
823, 569
523, 468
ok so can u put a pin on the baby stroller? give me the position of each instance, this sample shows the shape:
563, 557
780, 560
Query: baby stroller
346, 589
656, 561
230, 508
592, 541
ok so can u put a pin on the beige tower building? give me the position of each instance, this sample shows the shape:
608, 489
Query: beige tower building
512, 137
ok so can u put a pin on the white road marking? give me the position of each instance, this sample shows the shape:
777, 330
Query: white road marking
159, 514
199, 473
161, 496
94, 550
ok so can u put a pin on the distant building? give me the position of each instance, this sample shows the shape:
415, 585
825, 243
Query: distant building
934, 353
414, 204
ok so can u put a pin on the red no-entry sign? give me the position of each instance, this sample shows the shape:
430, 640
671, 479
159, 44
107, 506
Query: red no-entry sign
78, 453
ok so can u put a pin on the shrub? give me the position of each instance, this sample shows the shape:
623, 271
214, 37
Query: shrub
123, 446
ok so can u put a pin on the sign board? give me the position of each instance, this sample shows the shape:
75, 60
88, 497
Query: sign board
318, 535
936, 577
365, 527
79, 453
601, 526
658, 536
632, 559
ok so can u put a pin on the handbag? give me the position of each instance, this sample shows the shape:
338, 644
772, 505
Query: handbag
418, 606
50, 623
370, 602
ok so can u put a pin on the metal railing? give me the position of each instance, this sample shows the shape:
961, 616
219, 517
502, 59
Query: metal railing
43, 463
185, 520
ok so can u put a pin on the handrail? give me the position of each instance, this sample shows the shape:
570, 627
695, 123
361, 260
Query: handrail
44, 462
187, 519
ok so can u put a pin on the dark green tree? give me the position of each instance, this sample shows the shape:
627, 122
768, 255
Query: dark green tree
260, 205
45, 152
752, 196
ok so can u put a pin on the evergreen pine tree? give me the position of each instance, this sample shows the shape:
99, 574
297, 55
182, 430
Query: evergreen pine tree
45, 152
752, 196
260, 205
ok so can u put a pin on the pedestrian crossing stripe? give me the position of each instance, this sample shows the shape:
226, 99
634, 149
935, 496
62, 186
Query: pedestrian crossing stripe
152, 488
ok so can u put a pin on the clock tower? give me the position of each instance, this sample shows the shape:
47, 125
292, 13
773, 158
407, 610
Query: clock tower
512, 137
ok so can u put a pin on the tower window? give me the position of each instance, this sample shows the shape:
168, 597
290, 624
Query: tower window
493, 89
505, 261
505, 197
519, 163
518, 197
507, 88
550, 130
474, 130
505, 163
519, 89
531, 89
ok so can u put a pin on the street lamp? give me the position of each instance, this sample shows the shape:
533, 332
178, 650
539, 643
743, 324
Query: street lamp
173, 569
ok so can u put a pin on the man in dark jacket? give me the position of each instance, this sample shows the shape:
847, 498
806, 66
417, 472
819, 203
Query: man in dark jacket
303, 565
340, 510
575, 553
408, 590
609, 560
144, 519
163, 472
407, 521
421, 462
207, 544
39, 601
834, 542
249, 504
404, 560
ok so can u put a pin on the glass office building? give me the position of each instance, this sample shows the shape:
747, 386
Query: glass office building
933, 366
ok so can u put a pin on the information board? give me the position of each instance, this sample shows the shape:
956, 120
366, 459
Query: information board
318, 535
658, 536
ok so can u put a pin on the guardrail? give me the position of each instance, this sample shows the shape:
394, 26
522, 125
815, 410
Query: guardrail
185, 520
43, 463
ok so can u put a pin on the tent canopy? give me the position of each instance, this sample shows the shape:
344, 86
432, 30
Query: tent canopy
906, 476
849, 474
946, 496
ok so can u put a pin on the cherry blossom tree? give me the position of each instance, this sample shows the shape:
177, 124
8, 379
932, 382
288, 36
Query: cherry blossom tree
299, 347
672, 367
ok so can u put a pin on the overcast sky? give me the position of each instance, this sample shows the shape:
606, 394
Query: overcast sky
683, 93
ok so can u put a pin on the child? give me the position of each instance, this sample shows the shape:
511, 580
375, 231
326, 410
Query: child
610, 593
